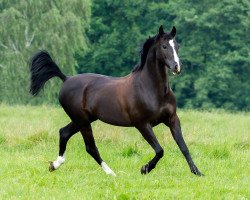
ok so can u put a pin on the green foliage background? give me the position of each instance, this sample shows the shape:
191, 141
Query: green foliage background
105, 36
27, 26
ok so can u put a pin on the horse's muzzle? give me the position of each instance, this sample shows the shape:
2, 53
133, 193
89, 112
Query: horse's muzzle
176, 69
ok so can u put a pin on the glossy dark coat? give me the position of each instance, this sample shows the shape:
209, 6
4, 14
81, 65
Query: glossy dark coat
142, 99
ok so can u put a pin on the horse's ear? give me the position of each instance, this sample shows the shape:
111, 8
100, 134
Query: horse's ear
173, 32
161, 31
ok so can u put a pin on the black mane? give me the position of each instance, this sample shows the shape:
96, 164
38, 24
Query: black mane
144, 52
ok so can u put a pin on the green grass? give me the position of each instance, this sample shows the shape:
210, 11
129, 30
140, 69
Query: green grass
218, 141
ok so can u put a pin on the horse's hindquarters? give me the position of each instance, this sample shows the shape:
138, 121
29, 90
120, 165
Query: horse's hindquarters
91, 97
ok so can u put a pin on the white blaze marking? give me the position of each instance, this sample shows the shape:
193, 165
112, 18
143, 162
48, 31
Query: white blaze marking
176, 58
106, 168
60, 160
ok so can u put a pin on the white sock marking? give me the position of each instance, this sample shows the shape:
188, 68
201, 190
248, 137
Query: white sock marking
176, 58
60, 160
106, 168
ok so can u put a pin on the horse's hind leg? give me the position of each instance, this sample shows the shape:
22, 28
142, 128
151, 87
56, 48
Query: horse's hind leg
148, 134
91, 148
65, 134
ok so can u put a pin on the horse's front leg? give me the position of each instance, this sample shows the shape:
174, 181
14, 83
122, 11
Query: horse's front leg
149, 136
174, 124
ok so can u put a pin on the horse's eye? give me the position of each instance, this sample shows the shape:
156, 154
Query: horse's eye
164, 46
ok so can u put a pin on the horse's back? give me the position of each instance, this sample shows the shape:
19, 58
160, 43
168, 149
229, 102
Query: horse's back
74, 88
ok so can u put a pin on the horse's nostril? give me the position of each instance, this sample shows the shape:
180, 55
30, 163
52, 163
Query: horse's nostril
177, 69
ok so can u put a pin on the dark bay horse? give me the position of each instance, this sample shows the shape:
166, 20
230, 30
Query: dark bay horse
142, 99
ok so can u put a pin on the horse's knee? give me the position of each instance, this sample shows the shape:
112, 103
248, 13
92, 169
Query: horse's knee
160, 153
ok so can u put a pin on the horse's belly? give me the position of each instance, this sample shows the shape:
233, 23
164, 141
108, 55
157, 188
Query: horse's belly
114, 117
116, 122
111, 113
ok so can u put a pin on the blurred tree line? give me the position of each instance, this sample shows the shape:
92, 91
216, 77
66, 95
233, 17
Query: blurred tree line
29, 25
214, 39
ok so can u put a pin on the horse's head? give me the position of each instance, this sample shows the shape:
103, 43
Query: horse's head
167, 50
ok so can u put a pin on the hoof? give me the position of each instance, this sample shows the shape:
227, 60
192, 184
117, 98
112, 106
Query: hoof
196, 171
145, 169
51, 167
199, 174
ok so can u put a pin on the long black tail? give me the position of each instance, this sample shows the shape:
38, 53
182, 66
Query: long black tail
43, 68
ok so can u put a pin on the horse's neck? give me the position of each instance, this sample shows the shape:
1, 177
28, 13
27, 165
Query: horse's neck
155, 74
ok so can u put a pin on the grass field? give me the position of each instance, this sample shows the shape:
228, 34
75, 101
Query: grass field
218, 141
